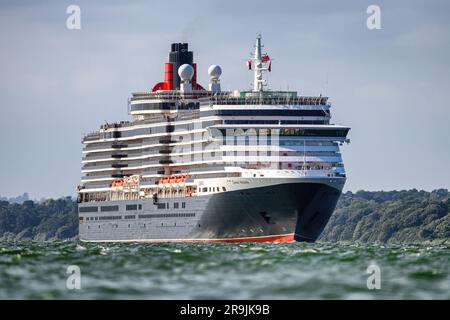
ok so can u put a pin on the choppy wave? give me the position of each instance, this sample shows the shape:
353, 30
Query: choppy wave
223, 271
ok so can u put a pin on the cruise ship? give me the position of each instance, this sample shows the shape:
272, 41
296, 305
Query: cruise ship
206, 165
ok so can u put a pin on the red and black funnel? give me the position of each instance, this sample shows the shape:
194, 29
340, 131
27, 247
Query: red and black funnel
178, 56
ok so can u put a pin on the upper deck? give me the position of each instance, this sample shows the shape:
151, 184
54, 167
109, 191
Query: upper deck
231, 97
169, 101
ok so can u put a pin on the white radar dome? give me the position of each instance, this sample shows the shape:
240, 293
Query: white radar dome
214, 71
186, 72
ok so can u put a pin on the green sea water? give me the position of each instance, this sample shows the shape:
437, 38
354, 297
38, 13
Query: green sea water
222, 271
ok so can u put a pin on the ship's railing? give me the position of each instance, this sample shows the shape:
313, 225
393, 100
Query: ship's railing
92, 136
172, 95
161, 118
155, 192
95, 177
269, 101
227, 97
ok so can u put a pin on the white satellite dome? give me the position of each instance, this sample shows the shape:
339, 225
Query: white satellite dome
214, 71
186, 72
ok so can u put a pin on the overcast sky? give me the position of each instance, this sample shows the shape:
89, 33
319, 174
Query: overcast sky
392, 86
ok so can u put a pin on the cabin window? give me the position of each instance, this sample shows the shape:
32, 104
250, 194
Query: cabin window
109, 208
88, 209
161, 205
110, 218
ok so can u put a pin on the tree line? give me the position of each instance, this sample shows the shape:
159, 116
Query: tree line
405, 216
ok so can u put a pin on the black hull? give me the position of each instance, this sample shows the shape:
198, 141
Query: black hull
301, 209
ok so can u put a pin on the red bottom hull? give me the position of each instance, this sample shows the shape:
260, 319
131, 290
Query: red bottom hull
276, 238
272, 238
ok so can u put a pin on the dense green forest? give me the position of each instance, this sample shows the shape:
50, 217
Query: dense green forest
44, 220
390, 216
382, 216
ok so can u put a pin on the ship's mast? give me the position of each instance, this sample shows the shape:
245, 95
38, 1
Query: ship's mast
257, 63
258, 79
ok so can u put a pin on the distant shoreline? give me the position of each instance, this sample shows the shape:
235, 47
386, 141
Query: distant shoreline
396, 217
